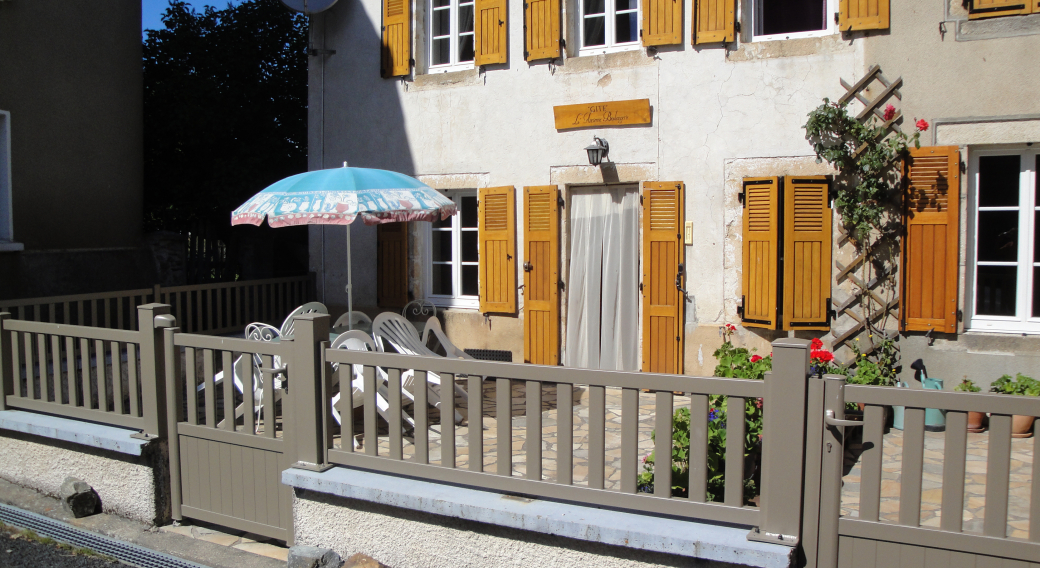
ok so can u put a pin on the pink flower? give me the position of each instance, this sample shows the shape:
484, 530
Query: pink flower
755, 358
922, 125
890, 111
758, 403
816, 343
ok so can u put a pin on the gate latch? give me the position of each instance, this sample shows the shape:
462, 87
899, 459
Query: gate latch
831, 420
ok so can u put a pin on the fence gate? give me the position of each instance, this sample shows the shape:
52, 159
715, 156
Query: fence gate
875, 536
225, 470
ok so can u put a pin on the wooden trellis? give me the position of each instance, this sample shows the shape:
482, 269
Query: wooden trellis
866, 302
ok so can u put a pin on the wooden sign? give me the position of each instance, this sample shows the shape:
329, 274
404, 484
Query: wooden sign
610, 113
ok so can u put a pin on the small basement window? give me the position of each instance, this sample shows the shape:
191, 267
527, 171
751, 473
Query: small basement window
787, 19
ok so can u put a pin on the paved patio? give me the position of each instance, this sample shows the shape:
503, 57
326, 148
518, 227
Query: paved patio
975, 482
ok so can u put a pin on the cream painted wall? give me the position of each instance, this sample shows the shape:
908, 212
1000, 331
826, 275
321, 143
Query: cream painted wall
710, 105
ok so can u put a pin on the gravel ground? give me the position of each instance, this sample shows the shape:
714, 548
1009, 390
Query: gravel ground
18, 550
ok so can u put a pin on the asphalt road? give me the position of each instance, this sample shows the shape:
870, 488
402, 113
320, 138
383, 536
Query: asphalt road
16, 551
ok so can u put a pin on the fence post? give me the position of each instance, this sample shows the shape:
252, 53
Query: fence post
6, 370
153, 368
783, 444
307, 391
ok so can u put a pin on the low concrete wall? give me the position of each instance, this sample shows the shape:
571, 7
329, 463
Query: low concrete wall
134, 487
405, 538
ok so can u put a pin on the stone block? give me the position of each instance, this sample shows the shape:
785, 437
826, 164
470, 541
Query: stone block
79, 498
362, 561
313, 557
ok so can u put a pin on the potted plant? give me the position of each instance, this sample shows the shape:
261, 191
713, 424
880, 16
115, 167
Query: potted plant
1021, 385
975, 419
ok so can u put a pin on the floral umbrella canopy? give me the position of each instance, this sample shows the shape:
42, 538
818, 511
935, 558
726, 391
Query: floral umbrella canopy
338, 196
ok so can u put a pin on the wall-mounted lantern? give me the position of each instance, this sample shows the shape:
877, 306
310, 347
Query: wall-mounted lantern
597, 151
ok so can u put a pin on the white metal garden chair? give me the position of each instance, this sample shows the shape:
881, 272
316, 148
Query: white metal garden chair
392, 331
256, 332
352, 321
360, 341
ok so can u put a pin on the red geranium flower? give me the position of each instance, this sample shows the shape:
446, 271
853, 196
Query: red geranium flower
890, 111
822, 356
816, 343
755, 358
922, 125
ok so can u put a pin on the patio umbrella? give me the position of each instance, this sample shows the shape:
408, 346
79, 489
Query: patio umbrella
338, 196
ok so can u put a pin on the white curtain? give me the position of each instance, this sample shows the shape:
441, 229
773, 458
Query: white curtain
602, 329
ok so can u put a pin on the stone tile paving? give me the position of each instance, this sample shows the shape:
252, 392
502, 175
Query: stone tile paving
229, 537
931, 485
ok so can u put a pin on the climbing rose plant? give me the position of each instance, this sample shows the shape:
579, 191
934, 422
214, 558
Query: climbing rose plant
868, 177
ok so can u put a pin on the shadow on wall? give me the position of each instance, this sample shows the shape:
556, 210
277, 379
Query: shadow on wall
355, 116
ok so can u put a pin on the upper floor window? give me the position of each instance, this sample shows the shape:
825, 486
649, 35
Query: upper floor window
451, 34
609, 25
785, 19
1005, 241
454, 259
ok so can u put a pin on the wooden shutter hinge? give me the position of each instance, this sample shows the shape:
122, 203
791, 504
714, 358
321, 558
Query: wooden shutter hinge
411, 62
526, 53
736, 27
559, 201
563, 43
742, 197
562, 286
740, 307
837, 17
832, 314
960, 315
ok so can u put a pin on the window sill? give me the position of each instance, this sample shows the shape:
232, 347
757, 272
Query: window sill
998, 27
446, 79
11, 246
634, 57
797, 47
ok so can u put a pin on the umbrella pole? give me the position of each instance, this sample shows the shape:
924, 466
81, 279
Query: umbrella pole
350, 285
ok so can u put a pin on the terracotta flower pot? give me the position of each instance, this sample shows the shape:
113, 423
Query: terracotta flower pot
1020, 426
975, 420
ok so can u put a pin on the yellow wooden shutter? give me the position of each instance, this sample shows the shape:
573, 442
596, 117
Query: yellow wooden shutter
663, 303
930, 252
992, 8
542, 29
490, 27
863, 15
397, 38
662, 22
541, 276
761, 252
714, 21
807, 252
497, 229
392, 265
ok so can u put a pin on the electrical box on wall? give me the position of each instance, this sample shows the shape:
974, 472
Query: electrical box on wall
688, 233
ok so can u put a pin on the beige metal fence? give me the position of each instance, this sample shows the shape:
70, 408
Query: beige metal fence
201, 308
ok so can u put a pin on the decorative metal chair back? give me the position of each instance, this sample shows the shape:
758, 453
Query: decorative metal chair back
419, 310
308, 308
397, 333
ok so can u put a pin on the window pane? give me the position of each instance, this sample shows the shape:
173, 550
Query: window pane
1036, 292
441, 246
441, 22
441, 3
594, 33
792, 16
469, 246
469, 281
442, 51
594, 7
465, 18
442, 223
466, 47
469, 211
998, 181
998, 236
995, 293
626, 28
442, 279
620, 5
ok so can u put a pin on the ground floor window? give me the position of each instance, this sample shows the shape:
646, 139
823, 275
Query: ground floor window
1004, 241
784, 19
453, 268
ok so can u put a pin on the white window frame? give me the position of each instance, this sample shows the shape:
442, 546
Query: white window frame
756, 17
453, 37
1022, 322
458, 300
609, 29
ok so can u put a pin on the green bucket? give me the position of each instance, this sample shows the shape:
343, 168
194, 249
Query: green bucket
934, 418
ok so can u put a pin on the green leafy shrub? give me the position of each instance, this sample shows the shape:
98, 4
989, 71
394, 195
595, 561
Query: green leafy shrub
967, 385
1021, 385
881, 371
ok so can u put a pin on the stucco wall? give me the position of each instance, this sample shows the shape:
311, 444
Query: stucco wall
128, 486
710, 104
407, 539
